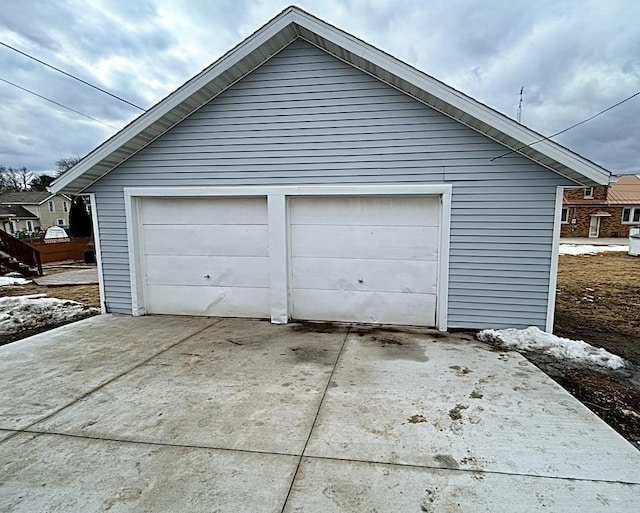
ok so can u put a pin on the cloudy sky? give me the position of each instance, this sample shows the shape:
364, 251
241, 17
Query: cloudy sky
574, 58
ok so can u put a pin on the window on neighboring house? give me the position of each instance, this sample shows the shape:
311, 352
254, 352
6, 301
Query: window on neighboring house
52, 207
588, 193
29, 226
65, 206
14, 226
60, 222
631, 215
565, 215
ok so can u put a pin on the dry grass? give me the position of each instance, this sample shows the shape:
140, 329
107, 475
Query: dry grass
598, 301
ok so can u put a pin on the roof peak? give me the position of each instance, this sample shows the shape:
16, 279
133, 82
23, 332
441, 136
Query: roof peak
294, 23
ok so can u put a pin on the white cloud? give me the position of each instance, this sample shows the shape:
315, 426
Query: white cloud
573, 58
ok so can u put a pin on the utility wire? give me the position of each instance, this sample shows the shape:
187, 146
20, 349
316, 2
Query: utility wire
71, 76
56, 103
569, 128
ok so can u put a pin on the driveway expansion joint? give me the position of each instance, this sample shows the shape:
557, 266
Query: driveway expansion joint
113, 379
315, 419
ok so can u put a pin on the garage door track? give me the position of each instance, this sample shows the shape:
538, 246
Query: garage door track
205, 414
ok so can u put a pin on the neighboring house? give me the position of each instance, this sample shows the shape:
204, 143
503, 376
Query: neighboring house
309, 175
602, 211
33, 211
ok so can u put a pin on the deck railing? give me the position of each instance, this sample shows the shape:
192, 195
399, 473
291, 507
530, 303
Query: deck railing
21, 252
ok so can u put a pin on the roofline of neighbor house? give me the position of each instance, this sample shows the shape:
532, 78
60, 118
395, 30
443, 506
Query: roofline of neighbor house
294, 23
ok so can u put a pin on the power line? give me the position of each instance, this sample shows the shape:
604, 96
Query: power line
71, 76
56, 103
569, 128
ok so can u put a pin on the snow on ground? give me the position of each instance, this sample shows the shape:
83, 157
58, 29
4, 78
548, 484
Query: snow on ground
536, 340
11, 280
27, 312
587, 249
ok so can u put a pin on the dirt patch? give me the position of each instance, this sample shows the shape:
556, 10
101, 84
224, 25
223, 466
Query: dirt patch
598, 301
86, 294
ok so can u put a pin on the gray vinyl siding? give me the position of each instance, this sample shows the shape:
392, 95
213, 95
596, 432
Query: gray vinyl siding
305, 117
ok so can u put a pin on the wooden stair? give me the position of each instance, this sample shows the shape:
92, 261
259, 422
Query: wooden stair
19, 256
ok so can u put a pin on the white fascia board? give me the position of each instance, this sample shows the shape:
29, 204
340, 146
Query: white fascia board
172, 101
452, 97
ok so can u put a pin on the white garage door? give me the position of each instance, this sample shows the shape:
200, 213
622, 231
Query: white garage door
206, 256
367, 259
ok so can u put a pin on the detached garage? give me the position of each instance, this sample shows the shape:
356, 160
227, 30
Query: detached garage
308, 175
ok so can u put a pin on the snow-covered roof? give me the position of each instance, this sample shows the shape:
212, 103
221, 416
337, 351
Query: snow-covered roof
290, 25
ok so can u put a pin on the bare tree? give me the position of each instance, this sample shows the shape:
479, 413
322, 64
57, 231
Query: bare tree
15, 179
64, 164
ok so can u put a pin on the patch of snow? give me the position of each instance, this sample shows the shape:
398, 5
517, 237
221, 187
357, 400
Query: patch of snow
587, 249
26, 312
10, 280
536, 340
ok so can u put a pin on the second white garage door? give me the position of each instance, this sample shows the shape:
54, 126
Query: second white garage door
365, 259
206, 256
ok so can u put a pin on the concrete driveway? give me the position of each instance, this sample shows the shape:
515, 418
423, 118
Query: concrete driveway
171, 414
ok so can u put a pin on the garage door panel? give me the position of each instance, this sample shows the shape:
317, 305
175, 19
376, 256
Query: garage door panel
179, 251
400, 242
222, 271
353, 306
364, 275
216, 240
209, 301
366, 210
204, 211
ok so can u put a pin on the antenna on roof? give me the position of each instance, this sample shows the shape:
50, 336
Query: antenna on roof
519, 116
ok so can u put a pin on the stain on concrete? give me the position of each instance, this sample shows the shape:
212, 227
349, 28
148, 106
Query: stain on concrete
312, 355
447, 461
417, 419
398, 347
316, 327
476, 395
456, 413
461, 371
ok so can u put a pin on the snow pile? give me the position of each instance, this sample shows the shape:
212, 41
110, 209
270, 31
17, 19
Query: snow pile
533, 339
27, 312
11, 280
586, 249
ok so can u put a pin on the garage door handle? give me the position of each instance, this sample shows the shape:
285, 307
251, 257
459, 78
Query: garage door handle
207, 276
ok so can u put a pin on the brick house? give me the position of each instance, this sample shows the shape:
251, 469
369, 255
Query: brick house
602, 211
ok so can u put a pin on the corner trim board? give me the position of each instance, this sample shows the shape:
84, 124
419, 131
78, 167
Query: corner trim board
96, 242
555, 252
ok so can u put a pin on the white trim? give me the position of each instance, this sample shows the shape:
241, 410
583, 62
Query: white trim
442, 307
288, 190
278, 233
96, 243
555, 252
278, 258
591, 192
135, 249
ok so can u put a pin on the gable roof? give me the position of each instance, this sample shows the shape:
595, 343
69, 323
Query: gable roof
625, 191
24, 197
16, 211
294, 23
